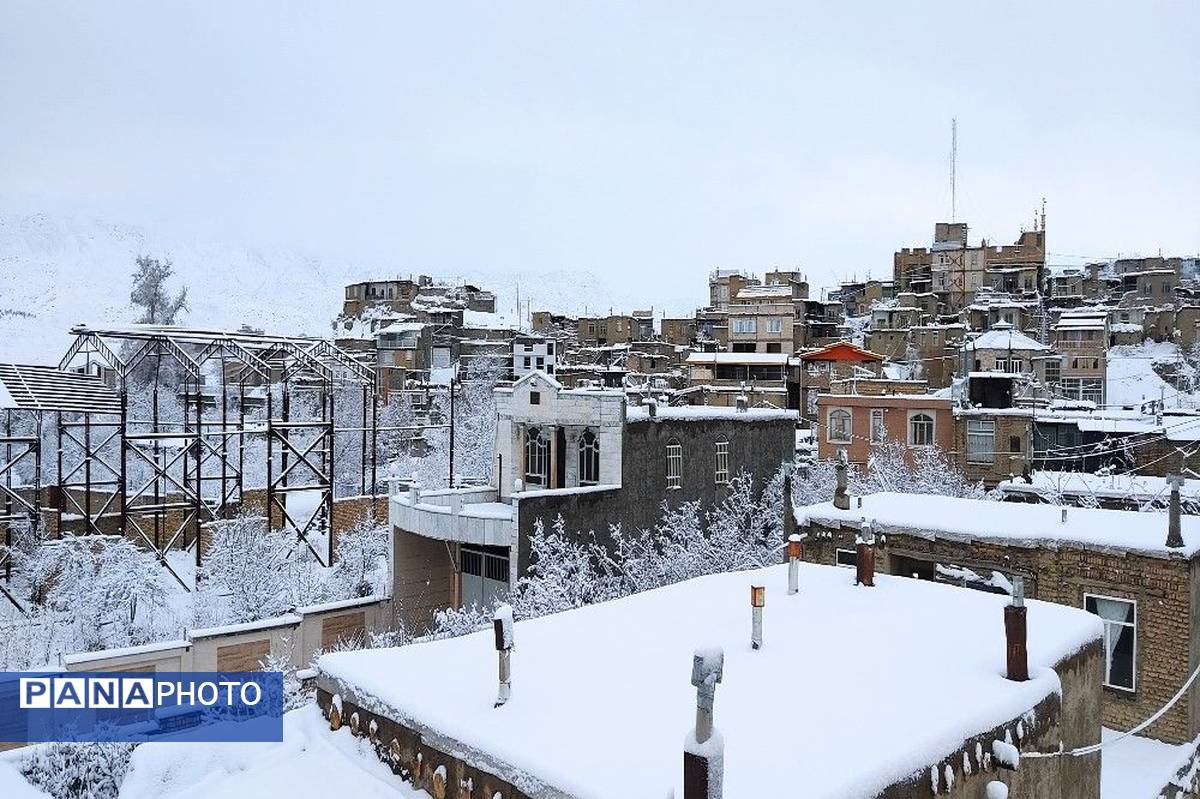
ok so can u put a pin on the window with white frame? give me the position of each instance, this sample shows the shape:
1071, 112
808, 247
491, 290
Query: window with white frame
981, 440
537, 458
775, 325
1120, 639
840, 427
878, 430
920, 430
745, 326
721, 471
846, 557
589, 459
674, 465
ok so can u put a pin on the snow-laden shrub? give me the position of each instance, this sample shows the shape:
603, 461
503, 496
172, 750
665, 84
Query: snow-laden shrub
78, 770
106, 590
252, 573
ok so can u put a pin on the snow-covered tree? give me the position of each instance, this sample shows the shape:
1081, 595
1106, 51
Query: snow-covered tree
156, 304
78, 770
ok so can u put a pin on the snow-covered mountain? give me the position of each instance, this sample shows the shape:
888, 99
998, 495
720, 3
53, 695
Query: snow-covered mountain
56, 272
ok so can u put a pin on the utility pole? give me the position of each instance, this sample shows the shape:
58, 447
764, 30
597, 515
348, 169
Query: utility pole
953, 168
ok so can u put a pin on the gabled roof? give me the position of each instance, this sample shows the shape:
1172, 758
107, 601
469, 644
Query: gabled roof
842, 351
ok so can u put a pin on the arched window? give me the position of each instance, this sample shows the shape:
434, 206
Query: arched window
589, 459
537, 458
920, 430
721, 467
839, 426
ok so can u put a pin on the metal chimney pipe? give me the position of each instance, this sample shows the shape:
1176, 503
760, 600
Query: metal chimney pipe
795, 549
758, 598
1174, 529
502, 626
1016, 634
864, 561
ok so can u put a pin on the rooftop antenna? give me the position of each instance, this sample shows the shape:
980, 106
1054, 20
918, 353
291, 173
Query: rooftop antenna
953, 168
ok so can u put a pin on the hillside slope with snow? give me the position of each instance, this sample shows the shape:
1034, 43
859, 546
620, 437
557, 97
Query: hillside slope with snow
56, 272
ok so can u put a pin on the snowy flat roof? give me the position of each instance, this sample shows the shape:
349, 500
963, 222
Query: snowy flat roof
1134, 486
639, 413
1005, 339
1016, 524
601, 700
748, 358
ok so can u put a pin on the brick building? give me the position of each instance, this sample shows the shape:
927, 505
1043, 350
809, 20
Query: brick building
813, 371
1115, 564
856, 422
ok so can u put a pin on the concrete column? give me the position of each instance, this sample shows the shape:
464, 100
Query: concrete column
552, 430
522, 434
572, 455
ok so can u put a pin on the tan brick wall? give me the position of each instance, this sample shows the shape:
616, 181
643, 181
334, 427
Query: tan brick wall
1163, 589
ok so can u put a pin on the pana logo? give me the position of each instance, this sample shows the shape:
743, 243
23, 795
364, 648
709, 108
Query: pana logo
133, 693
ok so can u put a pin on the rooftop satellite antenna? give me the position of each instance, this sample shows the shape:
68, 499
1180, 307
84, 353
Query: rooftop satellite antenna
953, 168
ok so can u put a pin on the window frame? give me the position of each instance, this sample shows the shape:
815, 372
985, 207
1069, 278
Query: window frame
912, 418
1107, 665
721, 461
979, 457
537, 451
674, 465
878, 414
829, 428
837, 559
588, 456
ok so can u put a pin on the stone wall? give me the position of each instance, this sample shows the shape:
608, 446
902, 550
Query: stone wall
1165, 590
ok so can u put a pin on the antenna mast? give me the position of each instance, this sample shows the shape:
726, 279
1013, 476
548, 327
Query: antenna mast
953, 168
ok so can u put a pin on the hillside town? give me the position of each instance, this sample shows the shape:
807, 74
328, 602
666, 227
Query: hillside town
998, 446
599, 400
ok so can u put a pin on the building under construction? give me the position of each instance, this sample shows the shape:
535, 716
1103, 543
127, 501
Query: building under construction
153, 432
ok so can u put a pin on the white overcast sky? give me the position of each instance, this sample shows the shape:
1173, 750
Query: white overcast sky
652, 140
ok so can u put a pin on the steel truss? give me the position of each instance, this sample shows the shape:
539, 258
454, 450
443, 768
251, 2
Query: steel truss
16, 508
196, 464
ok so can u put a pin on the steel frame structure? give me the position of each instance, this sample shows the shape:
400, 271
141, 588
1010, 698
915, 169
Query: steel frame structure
15, 508
197, 463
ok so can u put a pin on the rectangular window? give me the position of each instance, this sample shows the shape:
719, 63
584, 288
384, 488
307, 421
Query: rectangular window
846, 557
535, 398
775, 325
674, 465
745, 326
721, 475
1120, 639
981, 434
878, 430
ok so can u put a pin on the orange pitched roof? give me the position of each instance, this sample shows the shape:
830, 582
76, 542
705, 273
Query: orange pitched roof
841, 351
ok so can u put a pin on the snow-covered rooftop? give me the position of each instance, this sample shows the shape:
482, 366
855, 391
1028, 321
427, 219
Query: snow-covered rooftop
1118, 486
1013, 523
601, 700
640, 413
759, 358
1004, 338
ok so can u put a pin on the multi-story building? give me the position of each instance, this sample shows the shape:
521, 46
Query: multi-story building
814, 371
680, 331
402, 353
579, 454
600, 331
1081, 338
760, 320
719, 378
394, 294
956, 271
533, 354
934, 352
724, 285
